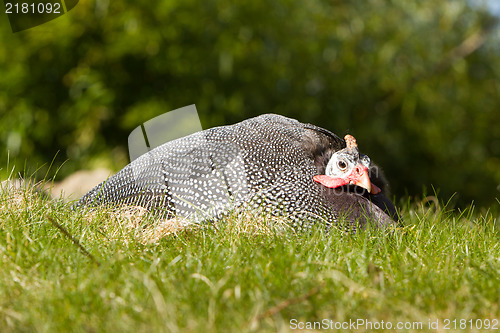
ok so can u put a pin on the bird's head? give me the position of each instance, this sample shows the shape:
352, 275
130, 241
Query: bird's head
348, 167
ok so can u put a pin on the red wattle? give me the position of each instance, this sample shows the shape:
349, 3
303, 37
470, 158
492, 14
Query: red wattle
329, 181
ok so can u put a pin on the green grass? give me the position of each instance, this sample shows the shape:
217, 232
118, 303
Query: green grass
244, 274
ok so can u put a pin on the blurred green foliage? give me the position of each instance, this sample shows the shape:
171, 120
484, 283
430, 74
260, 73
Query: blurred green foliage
415, 81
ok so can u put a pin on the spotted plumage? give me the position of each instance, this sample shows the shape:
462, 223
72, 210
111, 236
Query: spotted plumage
266, 163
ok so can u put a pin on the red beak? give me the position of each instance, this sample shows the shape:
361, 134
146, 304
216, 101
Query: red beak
358, 176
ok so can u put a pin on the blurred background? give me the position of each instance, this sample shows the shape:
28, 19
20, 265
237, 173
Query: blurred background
417, 82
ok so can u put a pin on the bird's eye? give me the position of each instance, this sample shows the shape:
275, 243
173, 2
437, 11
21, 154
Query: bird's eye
342, 165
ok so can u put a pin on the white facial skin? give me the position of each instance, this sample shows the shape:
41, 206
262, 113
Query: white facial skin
341, 164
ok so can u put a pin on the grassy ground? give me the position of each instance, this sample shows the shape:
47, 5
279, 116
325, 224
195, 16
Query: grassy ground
248, 273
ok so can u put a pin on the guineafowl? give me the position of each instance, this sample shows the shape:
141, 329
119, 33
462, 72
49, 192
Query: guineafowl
270, 163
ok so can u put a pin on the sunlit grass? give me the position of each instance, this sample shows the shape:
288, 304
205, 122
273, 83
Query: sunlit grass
245, 273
